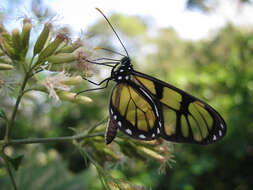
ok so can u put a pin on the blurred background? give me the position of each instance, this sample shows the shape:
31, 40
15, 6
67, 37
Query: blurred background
204, 47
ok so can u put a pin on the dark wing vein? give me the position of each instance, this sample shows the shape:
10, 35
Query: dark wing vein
199, 127
202, 118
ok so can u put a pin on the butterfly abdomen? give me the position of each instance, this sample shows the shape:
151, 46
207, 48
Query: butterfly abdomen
111, 131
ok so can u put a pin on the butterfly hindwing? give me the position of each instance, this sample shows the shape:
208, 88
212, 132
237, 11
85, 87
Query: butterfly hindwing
132, 112
184, 117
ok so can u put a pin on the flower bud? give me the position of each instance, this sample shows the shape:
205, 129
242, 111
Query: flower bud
71, 47
151, 153
40, 43
16, 40
50, 49
70, 96
61, 58
62, 45
25, 35
112, 154
58, 67
73, 80
124, 185
6, 66
6, 47
5, 60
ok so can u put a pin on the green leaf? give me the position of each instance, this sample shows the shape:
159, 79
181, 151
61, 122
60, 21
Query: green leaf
15, 162
2, 114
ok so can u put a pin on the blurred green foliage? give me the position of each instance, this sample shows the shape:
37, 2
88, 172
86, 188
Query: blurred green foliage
218, 70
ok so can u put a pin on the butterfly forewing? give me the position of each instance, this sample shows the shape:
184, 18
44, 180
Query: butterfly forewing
184, 117
132, 112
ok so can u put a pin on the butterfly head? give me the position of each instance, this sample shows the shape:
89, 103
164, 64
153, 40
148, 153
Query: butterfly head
122, 72
125, 61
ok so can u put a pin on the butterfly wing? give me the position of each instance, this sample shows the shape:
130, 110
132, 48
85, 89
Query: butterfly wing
132, 112
184, 117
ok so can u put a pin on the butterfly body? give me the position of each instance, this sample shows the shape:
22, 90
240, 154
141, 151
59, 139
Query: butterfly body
122, 73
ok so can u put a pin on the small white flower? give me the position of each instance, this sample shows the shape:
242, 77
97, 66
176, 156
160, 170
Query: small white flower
56, 82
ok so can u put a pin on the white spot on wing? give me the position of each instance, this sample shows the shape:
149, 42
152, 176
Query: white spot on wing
214, 138
145, 93
222, 126
127, 77
128, 131
156, 111
153, 135
119, 123
158, 131
121, 70
220, 132
160, 123
142, 136
111, 112
119, 77
115, 117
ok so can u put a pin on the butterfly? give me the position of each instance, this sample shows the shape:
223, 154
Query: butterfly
147, 108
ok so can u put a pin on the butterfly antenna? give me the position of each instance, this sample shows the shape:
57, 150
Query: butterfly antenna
112, 51
113, 30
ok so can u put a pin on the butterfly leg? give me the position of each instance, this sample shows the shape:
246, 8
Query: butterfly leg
106, 59
98, 84
107, 63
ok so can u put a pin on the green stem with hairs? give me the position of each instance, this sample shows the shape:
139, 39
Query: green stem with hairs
14, 113
51, 139
9, 170
10, 125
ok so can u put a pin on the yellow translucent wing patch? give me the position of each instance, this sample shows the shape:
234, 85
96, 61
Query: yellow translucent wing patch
142, 123
171, 98
124, 99
116, 95
133, 107
142, 106
131, 113
195, 129
148, 84
151, 118
169, 121
202, 115
201, 119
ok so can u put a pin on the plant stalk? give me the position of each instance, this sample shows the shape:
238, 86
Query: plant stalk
9, 170
52, 139
14, 113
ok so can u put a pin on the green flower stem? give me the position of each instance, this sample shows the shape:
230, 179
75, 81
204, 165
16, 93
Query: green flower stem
9, 170
51, 139
13, 116
91, 129
54, 139
103, 175
31, 62
14, 113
